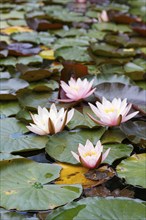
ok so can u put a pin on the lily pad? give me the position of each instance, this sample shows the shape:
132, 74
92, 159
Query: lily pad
9, 108
94, 208
134, 71
24, 186
33, 74
103, 49
13, 137
80, 120
59, 146
43, 86
110, 78
34, 37
8, 156
32, 99
24, 116
133, 170
73, 53
134, 94
13, 84
135, 132
117, 151
69, 42
113, 135
112, 27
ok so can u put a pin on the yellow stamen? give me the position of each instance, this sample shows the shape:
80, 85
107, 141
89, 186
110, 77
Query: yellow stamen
76, 88
90, 153
109, 110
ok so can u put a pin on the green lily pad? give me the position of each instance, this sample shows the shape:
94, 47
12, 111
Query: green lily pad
7, 156
134, 71
13, 14
32, 99
59, 146
113, 135
69, 42
80, 120
103, 49
125, 41
112, 27
5, 75
34, 37
141, 84
24, 186
13, 84
133, 170
70, 32
12, 61
6, 215
79, 54
44, 86
134, 94
13, 137
9, 87
24, 116
110, 78
9, 108
94, 208
117, 151
36, 59
135, 132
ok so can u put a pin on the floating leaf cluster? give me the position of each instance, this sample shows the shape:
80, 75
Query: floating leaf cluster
44, 45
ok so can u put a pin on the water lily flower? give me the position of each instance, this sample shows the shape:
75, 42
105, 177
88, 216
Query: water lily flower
50, 122
77, 89
90, 156
103, 17
112, 113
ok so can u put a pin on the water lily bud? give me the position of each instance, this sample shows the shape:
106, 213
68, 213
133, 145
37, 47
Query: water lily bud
90, 156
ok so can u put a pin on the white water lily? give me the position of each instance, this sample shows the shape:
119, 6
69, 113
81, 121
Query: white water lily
50, 122
90, 156
112, 113
77, 90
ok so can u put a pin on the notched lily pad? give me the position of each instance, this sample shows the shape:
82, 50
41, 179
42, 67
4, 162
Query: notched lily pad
23, 179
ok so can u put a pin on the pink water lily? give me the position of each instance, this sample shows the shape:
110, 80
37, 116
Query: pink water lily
50, 122
77, 90
90, 156
112, 113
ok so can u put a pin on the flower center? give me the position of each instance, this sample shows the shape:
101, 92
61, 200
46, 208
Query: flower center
90, 153
76, 88
109, 110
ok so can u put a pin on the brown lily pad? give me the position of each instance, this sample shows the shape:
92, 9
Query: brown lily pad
139, 27
102, 191
122, 18
42, 24
101, 174
31, 74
